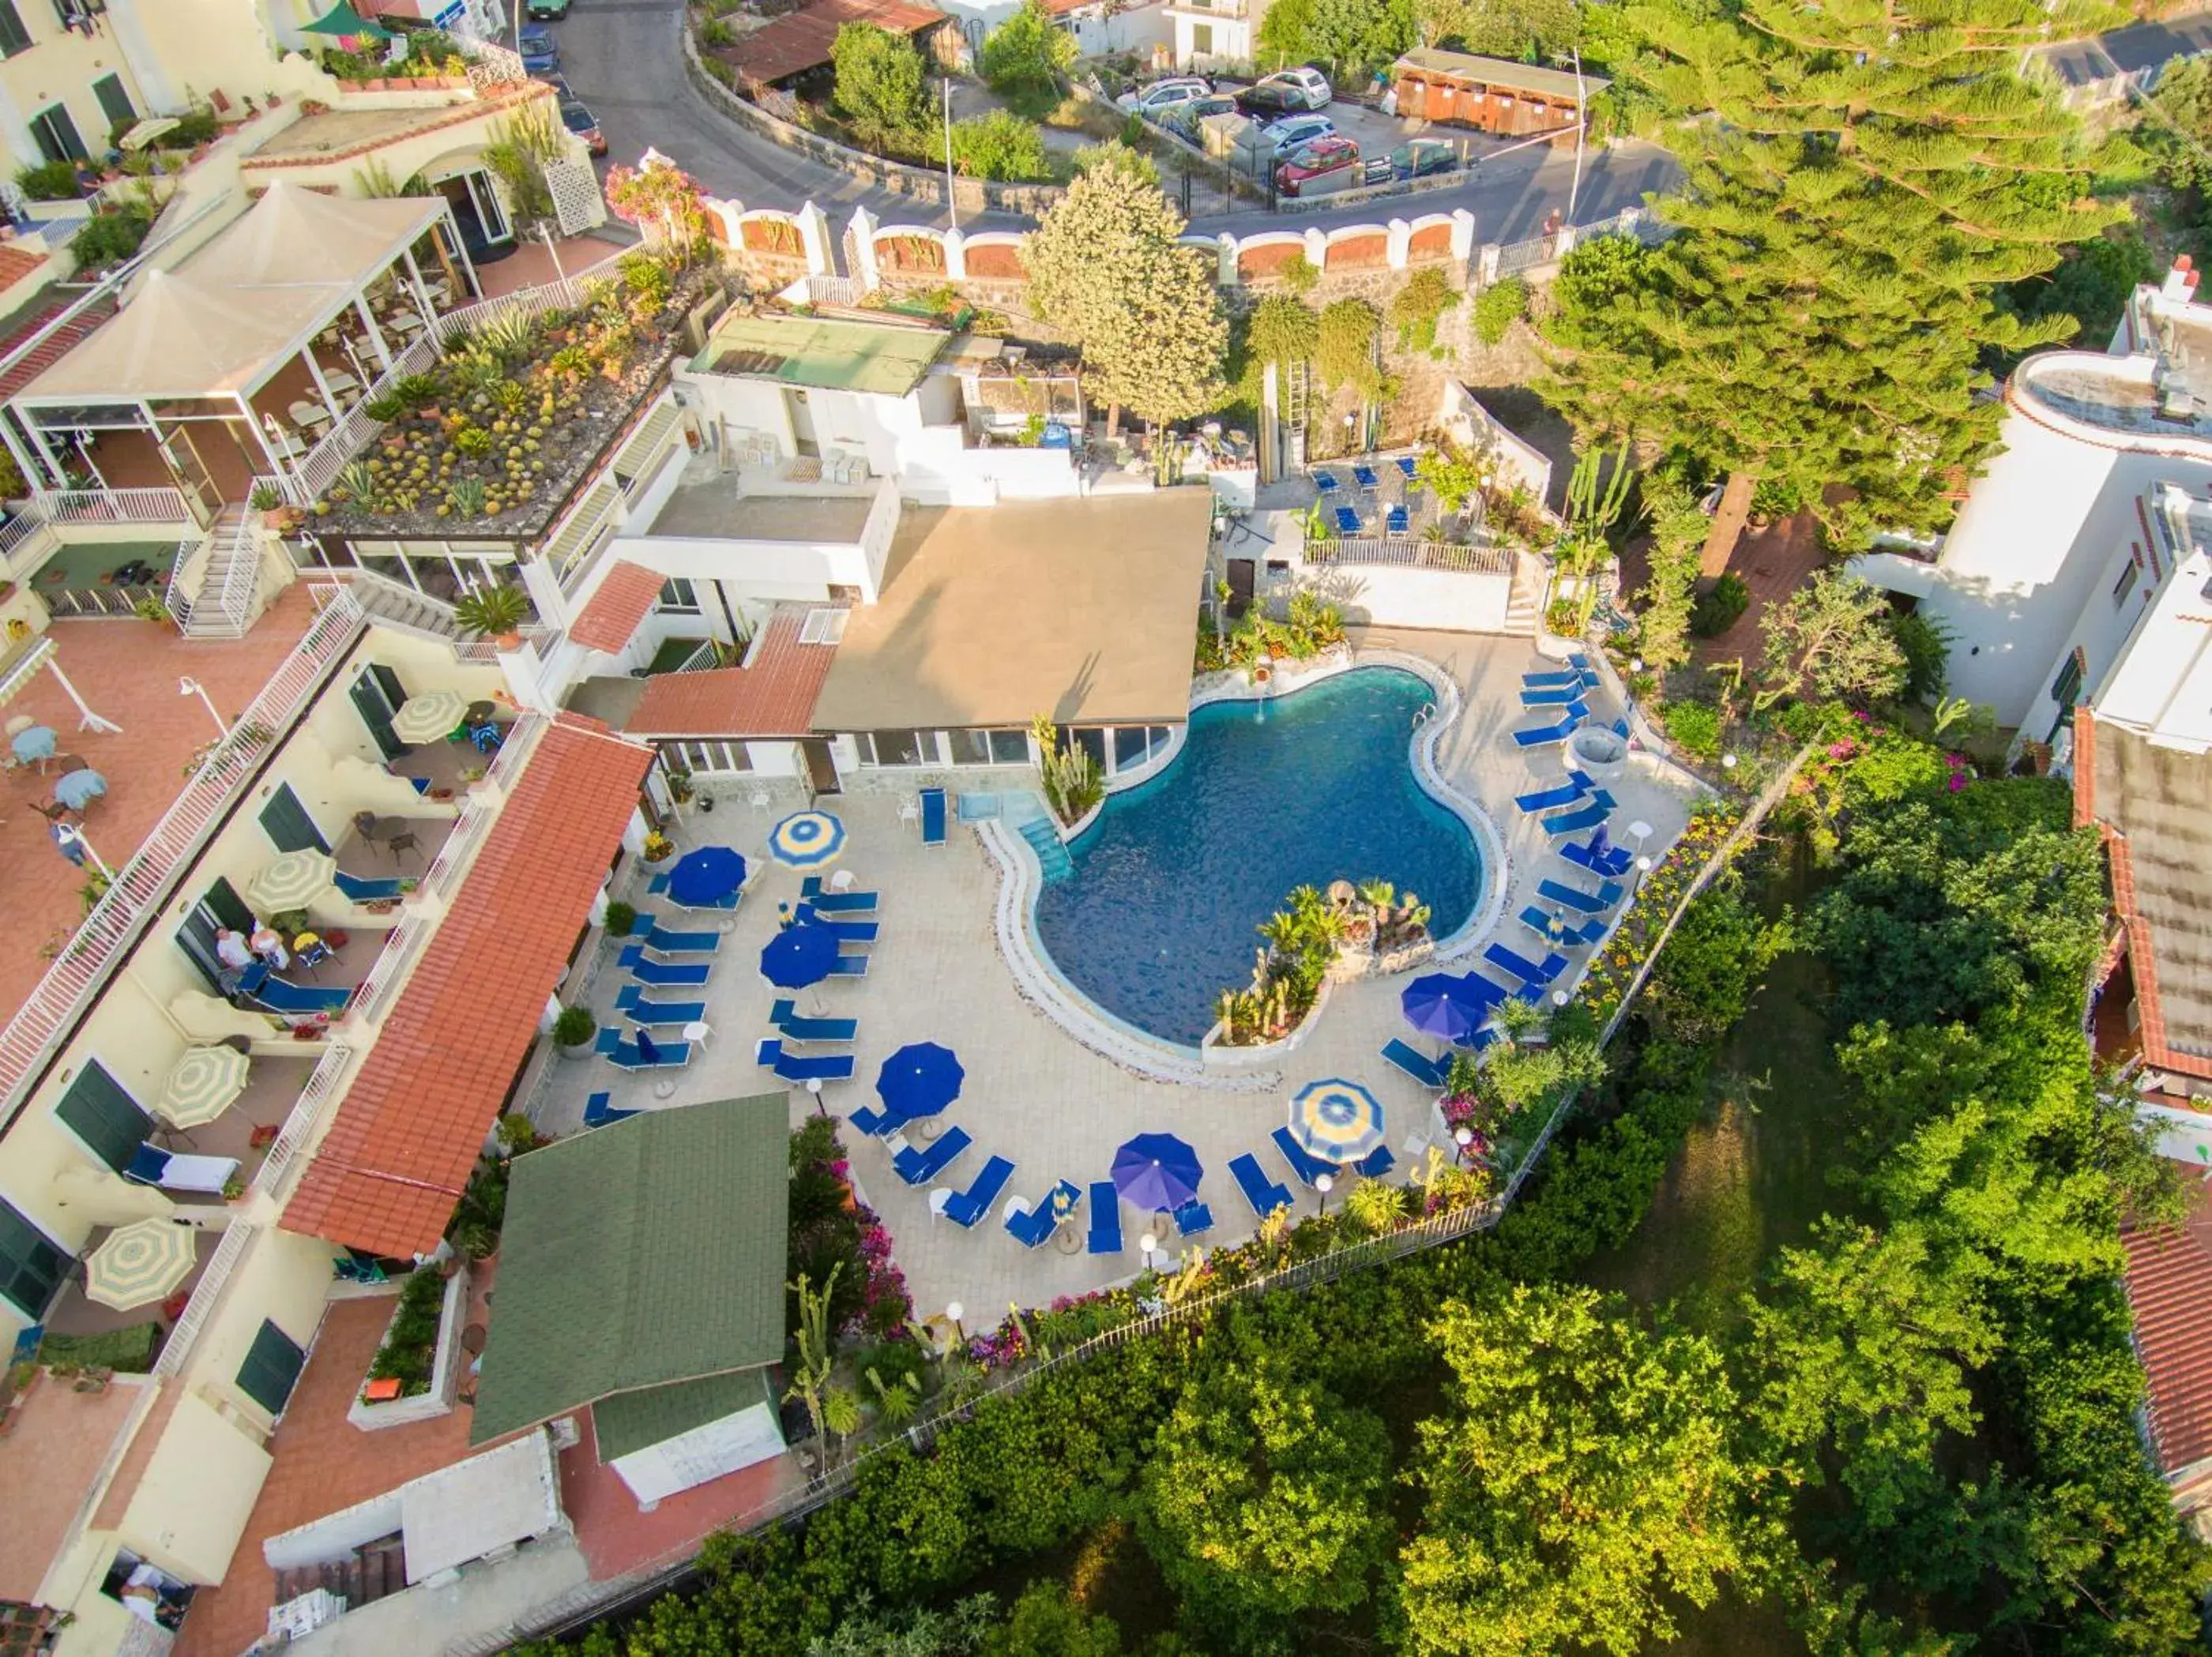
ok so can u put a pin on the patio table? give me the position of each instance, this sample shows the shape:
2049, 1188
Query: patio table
341, 384
1066, 1239
404, 321
308, 416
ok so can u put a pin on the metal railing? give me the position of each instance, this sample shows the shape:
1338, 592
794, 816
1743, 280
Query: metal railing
307, 1114
1413, 555
92, 506
143, 884
373, 997
178, 601
205, 1293
21, 671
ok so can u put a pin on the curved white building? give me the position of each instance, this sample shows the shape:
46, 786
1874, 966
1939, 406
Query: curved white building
2077, 570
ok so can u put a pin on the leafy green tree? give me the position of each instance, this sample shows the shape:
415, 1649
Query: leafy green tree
1106, 268
1283, 331
1670, 592
1263, 1499
1344, 351
2091, 285
879, 84
1351, 35
1713, 959
999, 145
1860, 183
1522, 29
1026, 54
1833, 637
1115, 156
1046, 1623
1581, 1483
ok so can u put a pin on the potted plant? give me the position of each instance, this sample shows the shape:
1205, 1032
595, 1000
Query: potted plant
573, 1031
621, 917
658, 846
496, 613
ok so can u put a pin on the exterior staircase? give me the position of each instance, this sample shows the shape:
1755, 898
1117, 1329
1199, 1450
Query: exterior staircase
1531, 578
402, 607
229, 557
369, 1572
1044, 840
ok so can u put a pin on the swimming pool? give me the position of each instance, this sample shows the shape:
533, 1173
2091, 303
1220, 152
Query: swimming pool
1170, 882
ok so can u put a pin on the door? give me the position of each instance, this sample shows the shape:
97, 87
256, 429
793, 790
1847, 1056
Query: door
219, 906
821, 769
1241, 574
288, 825
376, 697
55, 134
802, 423
114, 101
190, 473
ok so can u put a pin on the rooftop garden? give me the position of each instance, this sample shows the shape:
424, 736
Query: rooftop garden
495, 437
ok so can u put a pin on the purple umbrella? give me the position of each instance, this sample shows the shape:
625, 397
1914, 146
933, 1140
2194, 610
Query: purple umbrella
1452, 1008
1157, 1171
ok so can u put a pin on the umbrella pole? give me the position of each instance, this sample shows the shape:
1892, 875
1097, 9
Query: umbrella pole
90, 720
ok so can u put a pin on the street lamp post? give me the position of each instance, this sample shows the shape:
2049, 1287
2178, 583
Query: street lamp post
1324, 1184
1463, 1136
954, 1311
188, 686
1642, 868
76, 848
1145, 1245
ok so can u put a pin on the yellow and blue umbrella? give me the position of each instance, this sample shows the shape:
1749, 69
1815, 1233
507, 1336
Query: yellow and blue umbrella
806, 839
141, 1263
1337, 1120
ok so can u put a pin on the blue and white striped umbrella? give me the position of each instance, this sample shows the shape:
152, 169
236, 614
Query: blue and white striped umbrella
1336, 1120
806, 839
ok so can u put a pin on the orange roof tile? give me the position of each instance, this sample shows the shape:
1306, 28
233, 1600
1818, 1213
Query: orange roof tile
388, 1173
773, 694
17, 263
625, 598
800, 40
51, 350
2169, 1283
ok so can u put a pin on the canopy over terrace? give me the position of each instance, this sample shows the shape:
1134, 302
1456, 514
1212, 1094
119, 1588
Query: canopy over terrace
221, 329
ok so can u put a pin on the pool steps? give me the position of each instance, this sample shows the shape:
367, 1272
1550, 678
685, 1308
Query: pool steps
1044, 840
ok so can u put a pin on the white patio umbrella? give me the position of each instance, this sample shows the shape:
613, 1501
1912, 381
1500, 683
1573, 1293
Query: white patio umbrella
293, 880
141, 1263
201, 1086
429, 714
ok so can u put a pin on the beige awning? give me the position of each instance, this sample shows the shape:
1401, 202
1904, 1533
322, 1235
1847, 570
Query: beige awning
293, 235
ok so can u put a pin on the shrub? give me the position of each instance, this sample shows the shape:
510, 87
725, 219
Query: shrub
1719, 607
1001, 146
1419, 307
49, 181
574, 1027
878, 83
1927, 647
1498, 308
111, 237
621, 917
410, 1351
1026, 52
1695, 727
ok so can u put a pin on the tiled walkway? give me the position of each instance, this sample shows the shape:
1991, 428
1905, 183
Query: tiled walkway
127, 671
1033, 1093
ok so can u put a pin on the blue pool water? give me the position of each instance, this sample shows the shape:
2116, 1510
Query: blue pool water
1171, 882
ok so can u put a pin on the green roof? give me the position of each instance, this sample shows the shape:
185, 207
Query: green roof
837, 356
653, 1415
643, 1252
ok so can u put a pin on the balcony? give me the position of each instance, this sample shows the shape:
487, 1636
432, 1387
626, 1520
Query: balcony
1224, 8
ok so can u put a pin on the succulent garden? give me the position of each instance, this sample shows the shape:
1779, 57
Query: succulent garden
1315, 934
495, 435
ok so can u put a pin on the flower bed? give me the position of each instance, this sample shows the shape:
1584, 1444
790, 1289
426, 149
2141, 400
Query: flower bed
493, 438
1613, 968
832, 1228
1312, 940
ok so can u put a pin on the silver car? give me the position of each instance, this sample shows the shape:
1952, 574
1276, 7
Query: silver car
1292, 130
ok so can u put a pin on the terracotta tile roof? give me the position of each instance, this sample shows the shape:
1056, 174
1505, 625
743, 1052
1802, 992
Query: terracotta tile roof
51, 349
2169, 1282
772, 696
801, 39
625, 598
388, 1173
17, 263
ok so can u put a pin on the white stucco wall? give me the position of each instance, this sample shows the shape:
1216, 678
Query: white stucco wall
1450, 601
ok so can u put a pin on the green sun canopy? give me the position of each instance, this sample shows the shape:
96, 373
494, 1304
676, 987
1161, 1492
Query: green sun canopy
341, 19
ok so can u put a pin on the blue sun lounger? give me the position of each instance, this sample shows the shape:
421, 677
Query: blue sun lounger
643, 1053
845, 931
1379, 1162
932, 817
279, 995
1428, 1072
1397, 521
920, 1167
1530, 973
835, 904
1550, 799
1543, 735
1308, 1168
599, 1110
1554, 930
1266, 1195
876, 1123
1363, 475
1031, 1226
661, 941
1347, 521
1590, 903
644, 1010
1105, 1236
1609, 861
850, 966
792, 1067
367, 891
1194, 1218
1537, 680
1406, 464
1592, 812
1325, 481
1551, 696
966, 1208
786, 1016
663, 974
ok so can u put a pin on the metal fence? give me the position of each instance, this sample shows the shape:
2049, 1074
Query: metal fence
1410, 554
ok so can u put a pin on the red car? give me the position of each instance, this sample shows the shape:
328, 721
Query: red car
581, 122
1324, 158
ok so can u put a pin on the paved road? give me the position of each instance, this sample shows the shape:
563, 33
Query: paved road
625, 58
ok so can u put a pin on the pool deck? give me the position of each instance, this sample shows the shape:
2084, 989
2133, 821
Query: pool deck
1034, 1093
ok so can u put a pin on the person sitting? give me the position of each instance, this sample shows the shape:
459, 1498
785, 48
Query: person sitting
232, 950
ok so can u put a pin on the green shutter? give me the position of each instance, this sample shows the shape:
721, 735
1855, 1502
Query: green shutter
114, 101
98, 1110
289, 826
31, 1268
13, 37
271, 1368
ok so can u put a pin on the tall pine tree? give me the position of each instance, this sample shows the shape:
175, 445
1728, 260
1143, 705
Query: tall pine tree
1861, 178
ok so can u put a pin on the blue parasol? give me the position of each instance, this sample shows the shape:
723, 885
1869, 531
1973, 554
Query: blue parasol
706, 877
80, 788
36, 743
799, 956
1444, 1005
920, 1079
1157, 1171
806, 839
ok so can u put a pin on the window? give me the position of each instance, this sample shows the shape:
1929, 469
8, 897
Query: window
823, 627
288, 825
98, 1110
219, 906
899, 747
1128, 747
1092, 741
13, 37
32, 1266
2066, 689
2126, 583
677, 597
1010, 747
114, 101
1201, 39
56, 135
271, 1369
710, 757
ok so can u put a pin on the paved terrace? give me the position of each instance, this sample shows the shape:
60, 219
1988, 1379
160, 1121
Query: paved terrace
1034, 1093
127, 671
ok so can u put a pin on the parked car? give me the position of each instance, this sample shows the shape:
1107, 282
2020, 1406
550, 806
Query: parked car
580, 121
1293, 130
1162, 95
1319, 94
1419, 157
1185, 117
1329, 158
550, 11
539, 54
1271, 99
